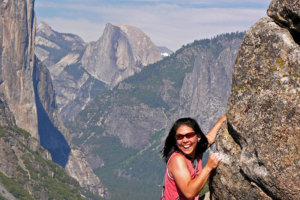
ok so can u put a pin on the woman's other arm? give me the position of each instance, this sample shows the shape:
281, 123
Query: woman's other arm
211, 135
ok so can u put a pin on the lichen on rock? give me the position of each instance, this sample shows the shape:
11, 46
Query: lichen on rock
263, 118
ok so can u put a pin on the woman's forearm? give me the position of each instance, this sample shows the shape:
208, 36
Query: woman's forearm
211, 135
197, 184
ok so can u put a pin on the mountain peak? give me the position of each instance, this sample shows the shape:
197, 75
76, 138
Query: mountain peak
129, 49
44, 28
128, 28
132, 33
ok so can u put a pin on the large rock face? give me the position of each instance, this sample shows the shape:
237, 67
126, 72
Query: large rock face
261, 142
286, 13
26, 169
52, 46
73, 85
50, 125
24, 81
79, 168
52, 132
121, 51
17, 61
28, 93
80, 72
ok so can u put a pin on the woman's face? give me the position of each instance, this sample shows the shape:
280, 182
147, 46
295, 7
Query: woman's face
187, 140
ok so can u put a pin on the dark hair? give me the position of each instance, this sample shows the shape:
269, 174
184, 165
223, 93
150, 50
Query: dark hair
171, 143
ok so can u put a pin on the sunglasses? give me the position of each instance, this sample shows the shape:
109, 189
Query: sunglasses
188, 136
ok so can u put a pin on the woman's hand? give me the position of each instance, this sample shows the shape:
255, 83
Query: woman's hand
213, 161
222, 119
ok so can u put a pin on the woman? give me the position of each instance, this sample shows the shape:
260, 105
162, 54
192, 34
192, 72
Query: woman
184, 145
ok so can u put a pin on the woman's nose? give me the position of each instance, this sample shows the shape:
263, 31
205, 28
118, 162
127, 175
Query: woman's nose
185, 139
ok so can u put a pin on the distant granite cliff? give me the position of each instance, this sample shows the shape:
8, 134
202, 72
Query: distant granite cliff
26, 169
61, 53
27, 92
205, 90
25, 82
82, 71
53, 47
120, 52
52, 132
260, 143
17, 23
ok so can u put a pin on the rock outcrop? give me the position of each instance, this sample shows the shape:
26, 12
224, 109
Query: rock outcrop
261, 141
151, 118
27, 90
26, 169
80, 169
286, 13
80, 72
50, 125
52, 132
17, 23
24, 81
51, 47
120, 52
61, 53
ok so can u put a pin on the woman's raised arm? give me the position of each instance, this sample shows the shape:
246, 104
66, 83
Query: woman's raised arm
211, 135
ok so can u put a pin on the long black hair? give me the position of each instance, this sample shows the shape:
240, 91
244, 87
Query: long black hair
171, 143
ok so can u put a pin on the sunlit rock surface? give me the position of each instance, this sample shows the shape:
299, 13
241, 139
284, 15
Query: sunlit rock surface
17, 62
120, 52
79, 168
261, 140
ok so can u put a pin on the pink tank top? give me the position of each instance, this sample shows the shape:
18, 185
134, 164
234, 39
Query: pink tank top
171, 192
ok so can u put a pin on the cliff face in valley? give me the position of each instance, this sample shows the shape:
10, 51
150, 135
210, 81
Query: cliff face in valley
78, 168
121, 131
26, 169
121, 51
28, 101
25, 83
205, 90
51, 130
53, 47
80, 72
17, 62
261, 141
73, 85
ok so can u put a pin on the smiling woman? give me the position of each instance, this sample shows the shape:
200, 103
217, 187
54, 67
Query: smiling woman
183, 150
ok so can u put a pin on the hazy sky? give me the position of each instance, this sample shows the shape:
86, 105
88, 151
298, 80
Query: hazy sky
170, 23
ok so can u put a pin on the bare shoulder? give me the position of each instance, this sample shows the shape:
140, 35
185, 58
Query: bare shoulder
177, 158
177, 162
178, 168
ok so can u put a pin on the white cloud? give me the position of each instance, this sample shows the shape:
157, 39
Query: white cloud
87, 30
167, 24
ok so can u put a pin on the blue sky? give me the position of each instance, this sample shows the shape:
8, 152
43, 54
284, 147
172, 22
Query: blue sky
170, 23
